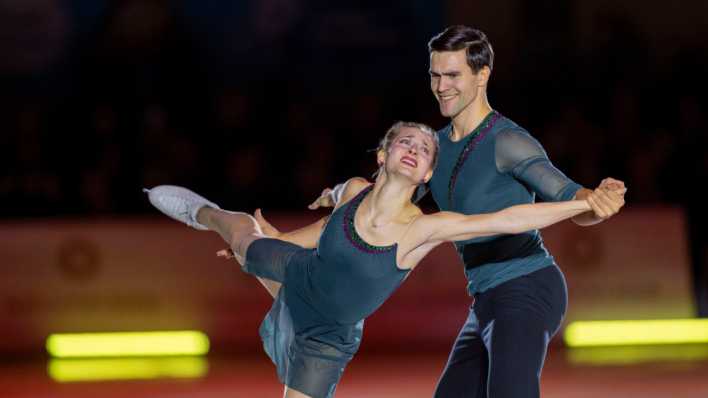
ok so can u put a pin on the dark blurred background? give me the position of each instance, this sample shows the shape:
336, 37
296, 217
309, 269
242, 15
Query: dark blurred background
263, 103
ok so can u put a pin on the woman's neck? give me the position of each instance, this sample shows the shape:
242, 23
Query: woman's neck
390, 200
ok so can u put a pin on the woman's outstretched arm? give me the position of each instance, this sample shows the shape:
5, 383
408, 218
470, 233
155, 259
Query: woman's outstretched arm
449, 226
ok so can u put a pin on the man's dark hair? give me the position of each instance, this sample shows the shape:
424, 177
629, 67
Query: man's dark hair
474, 41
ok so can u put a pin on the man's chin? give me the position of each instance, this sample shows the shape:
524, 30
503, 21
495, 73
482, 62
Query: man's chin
446, 112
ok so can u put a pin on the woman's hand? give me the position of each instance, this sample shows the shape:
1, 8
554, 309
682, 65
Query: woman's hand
226, 253
266, 227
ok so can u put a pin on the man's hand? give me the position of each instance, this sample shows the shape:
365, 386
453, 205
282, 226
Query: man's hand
325, 200
607, 199
613, 185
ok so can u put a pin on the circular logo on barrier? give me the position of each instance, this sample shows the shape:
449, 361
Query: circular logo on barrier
79, 258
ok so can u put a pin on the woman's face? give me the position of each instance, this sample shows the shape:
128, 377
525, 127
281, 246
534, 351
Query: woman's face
411, 154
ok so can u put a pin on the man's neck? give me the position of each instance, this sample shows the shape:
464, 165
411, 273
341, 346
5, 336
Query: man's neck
468, 120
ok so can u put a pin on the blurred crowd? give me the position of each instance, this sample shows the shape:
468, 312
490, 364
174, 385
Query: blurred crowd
264, 103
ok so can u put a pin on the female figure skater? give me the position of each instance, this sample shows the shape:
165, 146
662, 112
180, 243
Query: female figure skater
326, 285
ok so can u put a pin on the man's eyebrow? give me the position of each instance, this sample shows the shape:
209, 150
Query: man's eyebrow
448, 73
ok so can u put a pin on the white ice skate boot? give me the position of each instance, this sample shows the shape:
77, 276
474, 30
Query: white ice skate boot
179, 203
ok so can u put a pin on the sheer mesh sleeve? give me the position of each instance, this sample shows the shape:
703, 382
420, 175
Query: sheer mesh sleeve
518, 153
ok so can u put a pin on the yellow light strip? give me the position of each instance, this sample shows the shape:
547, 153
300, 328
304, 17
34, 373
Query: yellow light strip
104, 369
638, 332
86, 345
632, 355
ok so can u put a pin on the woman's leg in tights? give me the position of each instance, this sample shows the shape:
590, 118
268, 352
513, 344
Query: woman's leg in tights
238, 230
290, 393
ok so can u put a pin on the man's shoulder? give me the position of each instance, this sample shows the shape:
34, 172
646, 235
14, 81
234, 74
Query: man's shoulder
506, 124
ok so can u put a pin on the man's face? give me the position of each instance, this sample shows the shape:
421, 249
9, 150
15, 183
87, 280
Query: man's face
452, 81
